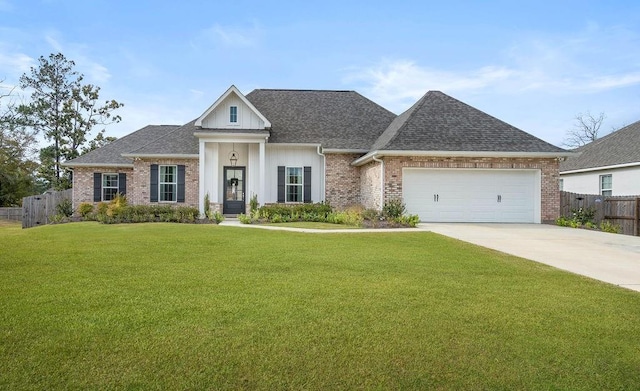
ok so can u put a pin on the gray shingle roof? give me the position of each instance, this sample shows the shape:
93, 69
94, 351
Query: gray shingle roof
619, 147
335, 119
111, 153
438, 122
179, 141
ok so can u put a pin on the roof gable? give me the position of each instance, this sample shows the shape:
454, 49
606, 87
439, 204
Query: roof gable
438, 122
619, 147
343, 120
217, 115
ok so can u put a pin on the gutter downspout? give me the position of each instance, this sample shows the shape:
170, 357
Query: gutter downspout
375, 159
324, 173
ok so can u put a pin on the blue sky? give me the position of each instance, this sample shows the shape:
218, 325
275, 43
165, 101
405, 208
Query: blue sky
535, 64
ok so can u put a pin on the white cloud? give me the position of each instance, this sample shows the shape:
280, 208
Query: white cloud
592, 61
14, 63
94, 72
234, 36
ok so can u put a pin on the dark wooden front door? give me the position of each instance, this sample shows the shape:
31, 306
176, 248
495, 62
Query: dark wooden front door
234, 190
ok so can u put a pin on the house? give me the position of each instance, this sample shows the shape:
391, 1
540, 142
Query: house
447, 160
609, 166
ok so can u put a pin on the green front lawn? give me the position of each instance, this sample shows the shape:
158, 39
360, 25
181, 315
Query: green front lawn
169, 306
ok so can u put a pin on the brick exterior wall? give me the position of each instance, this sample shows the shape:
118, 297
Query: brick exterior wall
342, 180
370, 186
83, 182
550, 193
137, 181
138, 191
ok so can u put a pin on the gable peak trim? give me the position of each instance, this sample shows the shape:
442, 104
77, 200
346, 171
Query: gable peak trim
233, 89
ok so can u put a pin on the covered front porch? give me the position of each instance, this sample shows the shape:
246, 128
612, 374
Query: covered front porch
231, 170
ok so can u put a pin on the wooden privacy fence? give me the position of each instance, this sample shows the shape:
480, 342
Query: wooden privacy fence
623, 211
37, 209
11, 213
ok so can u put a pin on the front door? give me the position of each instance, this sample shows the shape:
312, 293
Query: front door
234, 189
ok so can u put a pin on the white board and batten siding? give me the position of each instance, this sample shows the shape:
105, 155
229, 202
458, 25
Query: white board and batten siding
293, 156
219, 118
458, 195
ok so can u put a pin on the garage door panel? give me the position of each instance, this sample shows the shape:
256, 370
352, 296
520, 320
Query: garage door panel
470, 195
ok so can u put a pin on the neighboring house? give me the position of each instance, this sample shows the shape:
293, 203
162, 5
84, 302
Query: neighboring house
608, 166
448, 161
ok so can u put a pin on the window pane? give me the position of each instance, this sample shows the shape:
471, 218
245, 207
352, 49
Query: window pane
110, 180
294, 193
294, 175
167, 192
606, 181
109, 193
167, 173
233, 114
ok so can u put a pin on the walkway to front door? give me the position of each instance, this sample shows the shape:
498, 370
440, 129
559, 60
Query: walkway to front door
234, 190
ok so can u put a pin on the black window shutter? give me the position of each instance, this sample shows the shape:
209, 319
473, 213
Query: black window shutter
122, 183
153, 184
97, 186
307, 184
180, 183
281, 181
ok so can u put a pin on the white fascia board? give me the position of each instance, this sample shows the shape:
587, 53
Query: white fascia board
634, 164
207, 136
160, 156
235, 90
497, 154
295, 145
96, 165
336, 150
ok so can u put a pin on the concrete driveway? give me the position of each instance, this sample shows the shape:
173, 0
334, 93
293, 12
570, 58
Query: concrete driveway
603, 256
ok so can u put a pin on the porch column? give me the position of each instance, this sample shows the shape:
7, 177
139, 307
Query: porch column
262, 170
201, 184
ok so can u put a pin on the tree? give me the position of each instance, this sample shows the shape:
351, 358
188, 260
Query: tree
17, 148
65, 111
585, 130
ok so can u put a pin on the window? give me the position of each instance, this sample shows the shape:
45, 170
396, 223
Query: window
606, 185
561, 183
109, 186
168, 183
233, 114
293, 184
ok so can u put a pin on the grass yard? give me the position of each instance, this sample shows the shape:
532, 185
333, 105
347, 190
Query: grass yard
167, 306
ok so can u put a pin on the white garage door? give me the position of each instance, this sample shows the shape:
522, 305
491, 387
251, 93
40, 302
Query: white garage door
454, 195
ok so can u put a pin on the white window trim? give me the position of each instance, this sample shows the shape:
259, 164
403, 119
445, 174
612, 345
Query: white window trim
602, 190
287, 185
102, 187
160, 183
237, 123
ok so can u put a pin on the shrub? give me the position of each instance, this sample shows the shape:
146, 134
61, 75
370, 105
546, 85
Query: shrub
217, 217
85, 210
394, 208
607, 226
207, 206
582, 215
65, 208
244, 219
253, 204
295, 212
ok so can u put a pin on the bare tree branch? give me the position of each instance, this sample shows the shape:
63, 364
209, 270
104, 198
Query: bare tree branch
585, 130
